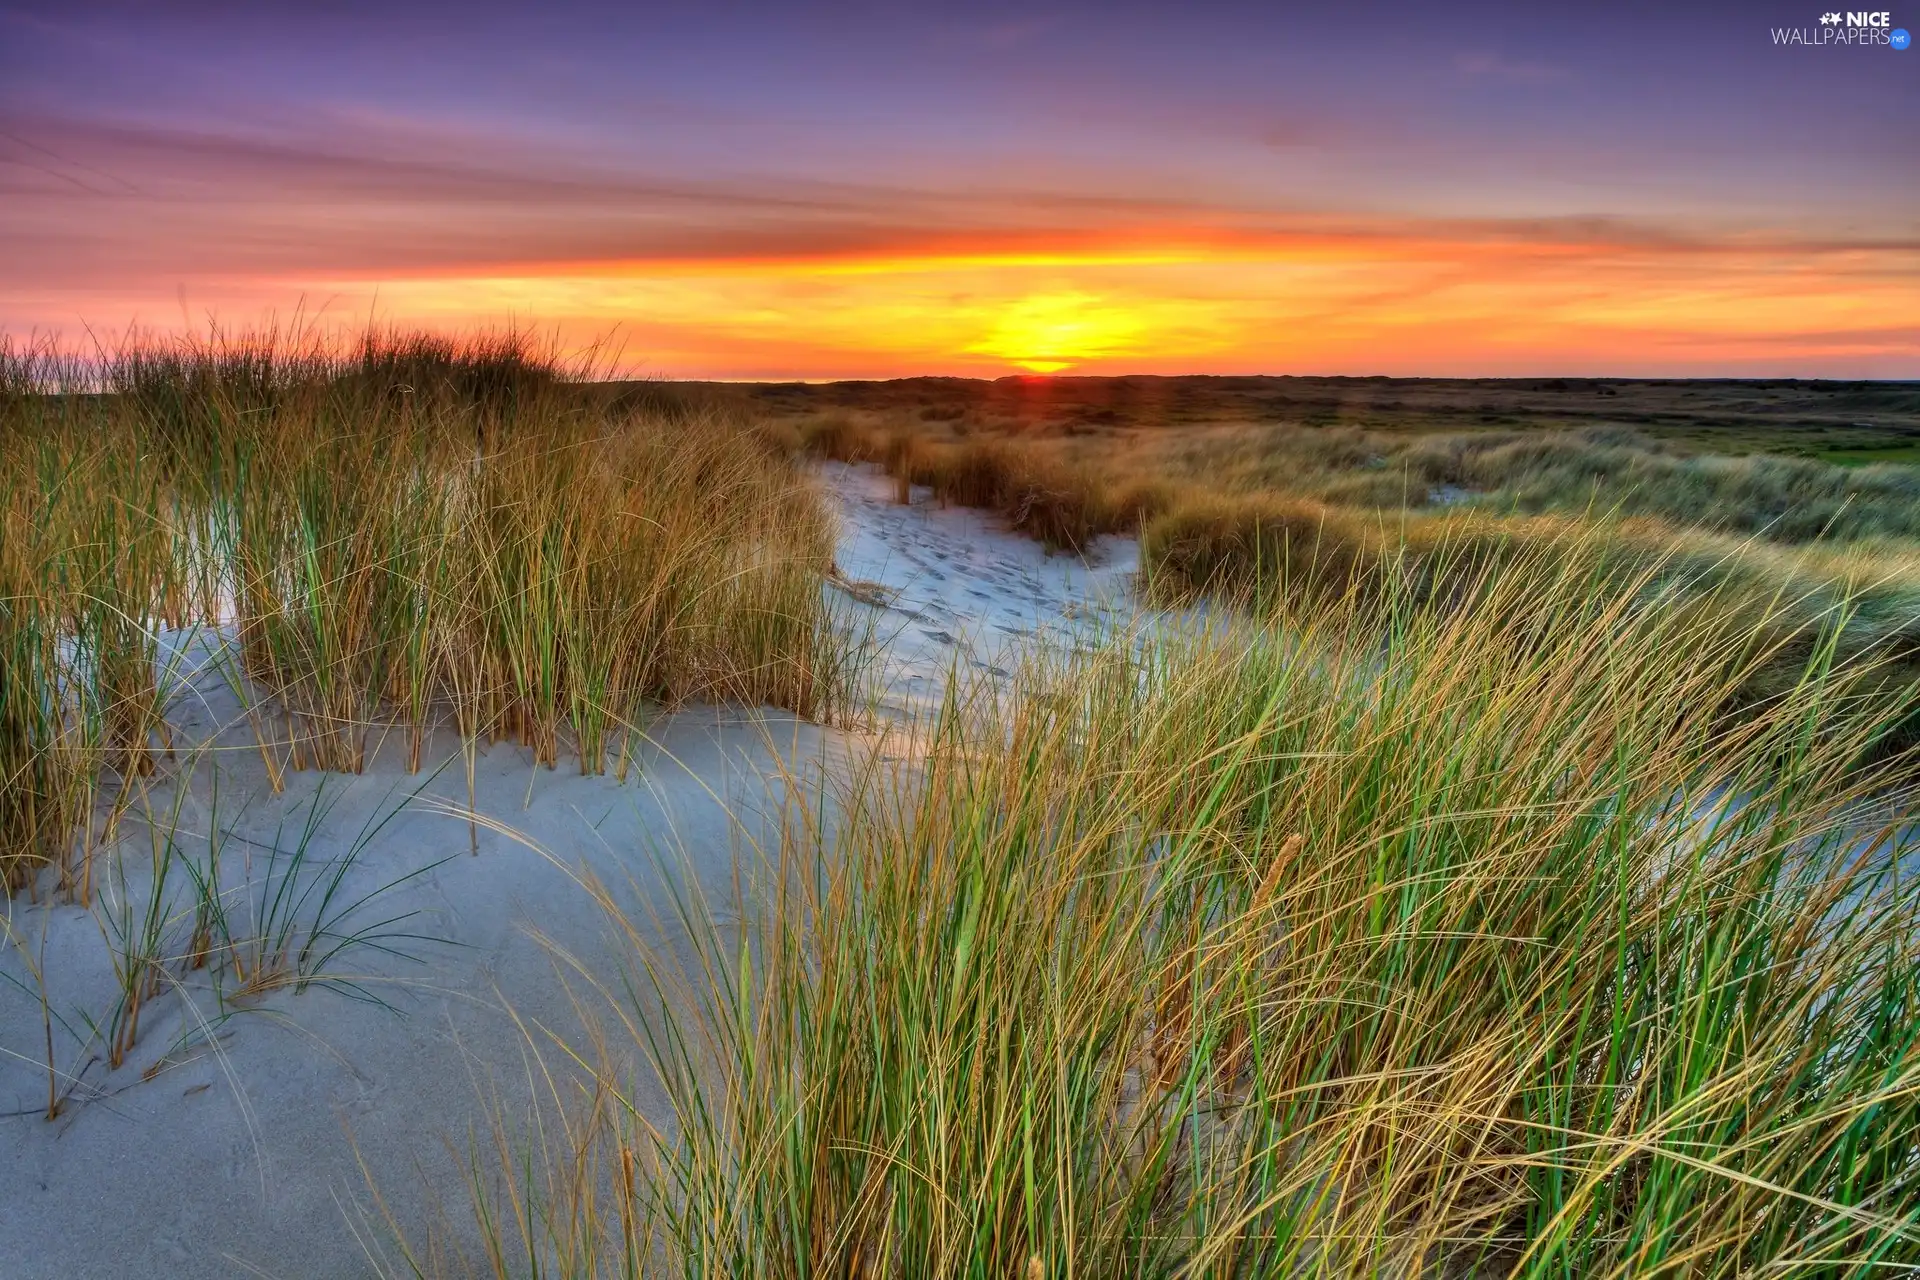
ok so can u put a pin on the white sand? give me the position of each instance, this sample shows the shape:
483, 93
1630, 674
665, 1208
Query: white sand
238, 1155
964, 591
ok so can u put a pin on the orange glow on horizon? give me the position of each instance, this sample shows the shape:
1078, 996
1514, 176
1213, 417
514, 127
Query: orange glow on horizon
1442, 298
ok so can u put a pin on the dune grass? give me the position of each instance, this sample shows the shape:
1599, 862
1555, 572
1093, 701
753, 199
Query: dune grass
368, 539
1432, 918
1257, 515
1268, 552
1471, 944
393, 530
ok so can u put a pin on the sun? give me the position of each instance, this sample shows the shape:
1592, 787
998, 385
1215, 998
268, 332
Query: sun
1047, 332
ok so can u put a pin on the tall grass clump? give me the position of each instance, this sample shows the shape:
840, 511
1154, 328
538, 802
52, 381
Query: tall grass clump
1056, 504
387, 531
1254, 550
1471, 944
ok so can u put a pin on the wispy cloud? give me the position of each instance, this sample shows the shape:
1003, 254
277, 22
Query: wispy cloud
175, 199
1495, 66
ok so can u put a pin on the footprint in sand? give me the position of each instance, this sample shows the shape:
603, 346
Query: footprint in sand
357, 1095
178, 1236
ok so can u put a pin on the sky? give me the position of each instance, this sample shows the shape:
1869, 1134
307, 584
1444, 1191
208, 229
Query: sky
810, 191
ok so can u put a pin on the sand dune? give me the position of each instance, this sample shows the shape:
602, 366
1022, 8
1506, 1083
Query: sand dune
235, 1146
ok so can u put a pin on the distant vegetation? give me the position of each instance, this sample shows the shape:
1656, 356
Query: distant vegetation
1762, 458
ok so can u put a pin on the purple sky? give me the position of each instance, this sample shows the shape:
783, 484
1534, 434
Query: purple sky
794, 190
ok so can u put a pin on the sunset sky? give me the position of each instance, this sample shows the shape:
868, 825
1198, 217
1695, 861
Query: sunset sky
842, 190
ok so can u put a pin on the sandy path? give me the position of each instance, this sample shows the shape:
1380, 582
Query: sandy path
235, 1149
963, 590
